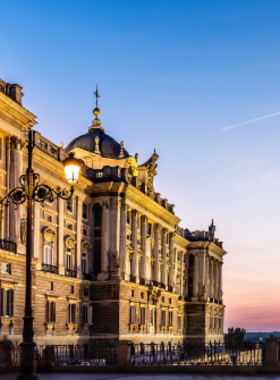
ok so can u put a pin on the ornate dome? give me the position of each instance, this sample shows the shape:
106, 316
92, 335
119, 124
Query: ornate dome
108, 147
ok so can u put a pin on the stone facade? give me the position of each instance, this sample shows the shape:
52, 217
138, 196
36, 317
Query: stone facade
113, 263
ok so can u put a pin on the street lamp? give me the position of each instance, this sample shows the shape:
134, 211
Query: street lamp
29, 190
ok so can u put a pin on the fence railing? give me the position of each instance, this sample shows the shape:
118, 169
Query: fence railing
75, 354
196, 354
8, 245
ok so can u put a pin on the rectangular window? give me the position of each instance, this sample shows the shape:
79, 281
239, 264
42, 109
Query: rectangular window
71, 313
87, 314
179, 323
84, 265
142, 315
163, 317
152, 317
86, 292
6, 268
85, 211
85, 232
47, 217
69, 259
170, 318
149, 230
48, 252
69, 226
50, 312
7, 303
69, 206
132, 317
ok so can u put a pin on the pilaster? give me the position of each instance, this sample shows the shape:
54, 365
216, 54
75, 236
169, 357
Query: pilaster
144, 246
123, 237
164, 268
60, 236
78, 236
15, 165
134, 245
156, 252
195, 278
105, 241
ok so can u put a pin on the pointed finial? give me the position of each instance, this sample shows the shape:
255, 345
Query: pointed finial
136, 157
121, 155
96, 110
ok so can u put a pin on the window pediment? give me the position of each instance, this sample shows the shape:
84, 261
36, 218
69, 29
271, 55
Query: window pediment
48, 233
69, 241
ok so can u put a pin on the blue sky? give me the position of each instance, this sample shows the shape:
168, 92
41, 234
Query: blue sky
171, 75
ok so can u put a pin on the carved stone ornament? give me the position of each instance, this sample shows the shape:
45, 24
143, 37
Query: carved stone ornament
151, 172
48, 233
86, 245
117, 259
69, 241
23, 229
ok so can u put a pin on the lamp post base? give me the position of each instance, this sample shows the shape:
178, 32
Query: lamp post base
27, 366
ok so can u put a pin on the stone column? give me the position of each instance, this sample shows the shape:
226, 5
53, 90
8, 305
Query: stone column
115, 226
123, 237
7, 183
164, 269
187, 274
134, 245
171, 258
201, 275
105, 241
15, 165
78, 237
221, 283
60, 236
211, 277
207, 286
182, 274
195, 278
156, 252
144, 246
91, 268
216, 280
176, 268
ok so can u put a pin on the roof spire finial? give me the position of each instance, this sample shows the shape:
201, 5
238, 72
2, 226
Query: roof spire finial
96, 110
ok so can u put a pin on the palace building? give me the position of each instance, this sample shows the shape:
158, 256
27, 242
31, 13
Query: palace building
111, 264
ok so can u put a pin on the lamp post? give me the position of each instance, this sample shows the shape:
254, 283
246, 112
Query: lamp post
30, 190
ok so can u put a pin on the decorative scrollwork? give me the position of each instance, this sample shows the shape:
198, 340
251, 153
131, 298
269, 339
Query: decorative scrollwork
44, 192
16, 196
40, 193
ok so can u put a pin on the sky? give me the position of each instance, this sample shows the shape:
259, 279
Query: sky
183, 77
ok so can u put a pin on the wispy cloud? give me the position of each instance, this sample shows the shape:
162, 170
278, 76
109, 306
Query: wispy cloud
250, 121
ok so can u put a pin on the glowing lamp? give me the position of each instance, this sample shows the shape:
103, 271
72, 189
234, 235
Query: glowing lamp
72, 168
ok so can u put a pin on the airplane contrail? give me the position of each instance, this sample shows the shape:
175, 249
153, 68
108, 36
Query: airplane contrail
250, 121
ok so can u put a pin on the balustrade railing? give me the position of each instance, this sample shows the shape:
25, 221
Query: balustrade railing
8, 245
196, 354
75, 354
71, 273
49, 268
218, 354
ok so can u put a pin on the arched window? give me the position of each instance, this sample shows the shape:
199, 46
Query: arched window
84, 263
48, 262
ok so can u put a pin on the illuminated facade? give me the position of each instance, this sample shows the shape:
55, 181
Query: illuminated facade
113, 263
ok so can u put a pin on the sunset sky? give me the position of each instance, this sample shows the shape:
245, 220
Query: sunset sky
172, 75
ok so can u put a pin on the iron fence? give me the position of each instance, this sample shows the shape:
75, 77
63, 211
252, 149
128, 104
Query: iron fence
63, 355
196, 354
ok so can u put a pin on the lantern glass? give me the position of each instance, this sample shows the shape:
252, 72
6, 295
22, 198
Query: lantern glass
72, 173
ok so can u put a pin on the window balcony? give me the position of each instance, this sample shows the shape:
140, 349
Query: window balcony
49, 268
8, 245
71, 273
